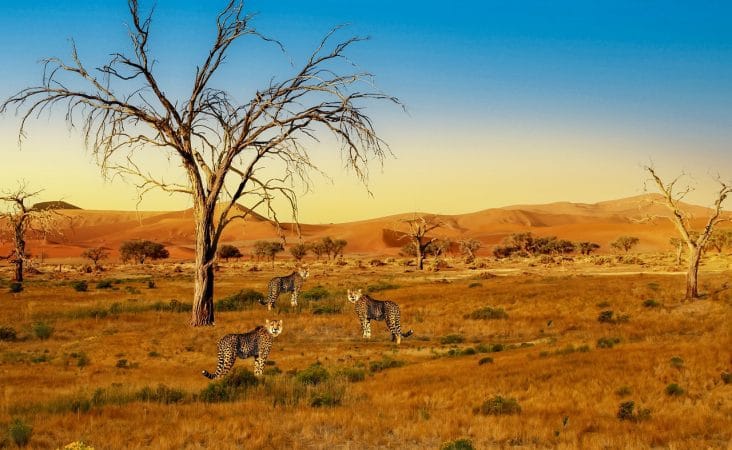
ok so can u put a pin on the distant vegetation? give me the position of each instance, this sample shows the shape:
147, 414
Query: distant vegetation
227, 251
140, 251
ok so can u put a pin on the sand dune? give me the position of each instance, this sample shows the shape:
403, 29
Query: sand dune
599, 222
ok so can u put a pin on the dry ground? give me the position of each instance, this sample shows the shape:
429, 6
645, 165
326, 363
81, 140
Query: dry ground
568, 386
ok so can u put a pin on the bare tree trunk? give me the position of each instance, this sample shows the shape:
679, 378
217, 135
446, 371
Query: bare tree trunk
693, 274
19, 254
203, 292
420, 254
679, 249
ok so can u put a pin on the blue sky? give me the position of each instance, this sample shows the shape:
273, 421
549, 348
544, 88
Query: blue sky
510, 102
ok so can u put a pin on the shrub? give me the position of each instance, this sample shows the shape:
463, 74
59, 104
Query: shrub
485, 360
315, 294
104, 284
381, 286
651, 303
487, 313
80, 286
172, 306
329, 394
313, 375
7, 334
141, 250
674, 390
244, 299
606, 316
452, 339
328, 309
677, 362
20, 432
352, 374
230, 388
16, 287
608, 342
474, 285
227, 251
498, 406
458, 444
151, 284
385, 363
161, 394
625, 412
42, 330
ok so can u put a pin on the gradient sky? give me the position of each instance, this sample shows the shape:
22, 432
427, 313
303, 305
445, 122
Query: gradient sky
507, 102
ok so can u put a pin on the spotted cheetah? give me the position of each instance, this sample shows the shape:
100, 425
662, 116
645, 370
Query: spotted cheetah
368, 309
290, 283
257, 343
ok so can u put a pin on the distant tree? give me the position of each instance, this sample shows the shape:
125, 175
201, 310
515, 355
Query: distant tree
95, 254
338, 246
439, 247
678, 244
468, 247
417, 229
299, 251
522, 242
272, 249
318, 249
680, 219
625, 243
20, 219
260, 249
720, 239
227, 251
586, 247
141, 250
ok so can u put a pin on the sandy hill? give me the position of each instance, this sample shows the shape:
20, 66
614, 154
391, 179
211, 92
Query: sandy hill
602, 222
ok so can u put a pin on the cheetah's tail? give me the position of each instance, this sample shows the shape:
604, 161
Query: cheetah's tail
408, 333
206, 374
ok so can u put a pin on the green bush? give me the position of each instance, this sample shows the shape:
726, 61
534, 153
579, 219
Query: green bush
498, 406
161, 394
315, 294
7, 334
172, 306
385, 363
458, 444
353, 374
244, 299
625, 412
313, 375
104, 284
381, 286
607, 342
42, 330
452, 339
328, 395
80, 286
606, 316
651, 303
335, 308
230, 388
16, 287
674, 390
20, 432
487, 313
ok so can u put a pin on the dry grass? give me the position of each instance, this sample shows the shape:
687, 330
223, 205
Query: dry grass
569, 390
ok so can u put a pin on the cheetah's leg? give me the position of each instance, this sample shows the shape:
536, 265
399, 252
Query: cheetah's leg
393, 325
293, 299
225, 364
260, 360
367, 329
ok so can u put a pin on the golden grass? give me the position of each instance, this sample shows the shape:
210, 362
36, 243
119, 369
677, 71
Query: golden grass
551, 365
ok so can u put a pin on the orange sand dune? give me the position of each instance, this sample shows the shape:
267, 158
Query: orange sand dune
600, 222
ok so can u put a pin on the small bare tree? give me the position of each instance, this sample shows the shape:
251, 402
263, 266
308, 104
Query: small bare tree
221, 145
468, 247
681, 220
20, 219
417, 229
95, 254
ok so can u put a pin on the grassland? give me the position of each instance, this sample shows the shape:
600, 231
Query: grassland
541, 356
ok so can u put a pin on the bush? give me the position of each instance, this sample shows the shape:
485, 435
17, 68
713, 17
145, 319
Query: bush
385, 363
172, 306
16, 287
122, 364
161, 394
20, 432
381, 286
104, 284
487, 313
458, 444
244, 299
674, 390
328, 309
353, 374
485, 360
7, 334
651, 303
474, 285
452, 339
606, 316
313, 375
80, 286
498, 406
315, 294
726, 377
329, 394
625, 412
607, 342
151, 284
42, 330
230, 388
141, 250
677, 362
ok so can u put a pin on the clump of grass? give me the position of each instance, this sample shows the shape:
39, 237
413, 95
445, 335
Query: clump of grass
498, 406
569, 349
230, 388
244, 299
608, 316
122, 364
172, 306
677, 362
132, 290
607, 342
81, 359
651, 303
313, 375
474, 285
328, 394
385, 363
352, 374
104, 284
452, 339
161, 394
485, 360
487, 313
7, 334
327, 308
42, 330
674, 390
381, 286
284, 390
315, 294
20, 432
80, 286
15, 287
626, 412
458, 444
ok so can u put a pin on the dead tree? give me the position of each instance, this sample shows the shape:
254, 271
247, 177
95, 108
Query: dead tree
681, 220
20, 218
220, 144
417, 229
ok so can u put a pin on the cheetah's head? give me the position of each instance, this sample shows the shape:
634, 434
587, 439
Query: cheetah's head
303, 272
354, 295
274, 327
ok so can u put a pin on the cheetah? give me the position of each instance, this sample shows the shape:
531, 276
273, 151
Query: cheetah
257, 343
290, 283
368, 309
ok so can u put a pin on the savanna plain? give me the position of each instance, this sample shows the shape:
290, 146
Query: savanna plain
504, 354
